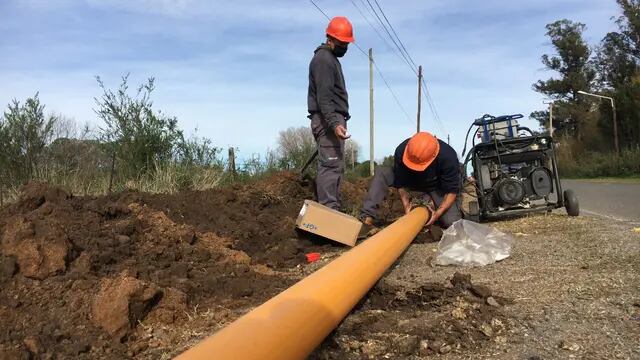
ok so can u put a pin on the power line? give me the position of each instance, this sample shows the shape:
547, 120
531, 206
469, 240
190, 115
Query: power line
403, 50
395, 33
398, 52
395, 97
393, 94
373, 27
384, 27
366, 18
376, 65
432, 107
362, 51
317, 7
328, 18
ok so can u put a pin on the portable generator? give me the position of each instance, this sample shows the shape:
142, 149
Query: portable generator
514, 171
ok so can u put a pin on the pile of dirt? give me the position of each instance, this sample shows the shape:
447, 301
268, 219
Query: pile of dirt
79, 274
432, 319
259, 216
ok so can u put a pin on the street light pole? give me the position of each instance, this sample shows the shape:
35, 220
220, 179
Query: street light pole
615, 118
615, 127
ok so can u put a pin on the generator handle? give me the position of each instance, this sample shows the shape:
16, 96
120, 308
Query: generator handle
490, 119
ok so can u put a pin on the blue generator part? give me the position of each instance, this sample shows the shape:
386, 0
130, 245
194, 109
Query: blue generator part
489, 124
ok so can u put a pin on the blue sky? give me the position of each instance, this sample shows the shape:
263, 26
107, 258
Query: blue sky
237, 70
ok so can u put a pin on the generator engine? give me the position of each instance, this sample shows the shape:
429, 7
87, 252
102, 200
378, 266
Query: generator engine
514, 170
515, 185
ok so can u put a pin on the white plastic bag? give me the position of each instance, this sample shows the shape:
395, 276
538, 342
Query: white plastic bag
468, 243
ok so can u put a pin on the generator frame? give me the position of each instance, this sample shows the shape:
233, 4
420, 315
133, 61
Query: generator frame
515, 151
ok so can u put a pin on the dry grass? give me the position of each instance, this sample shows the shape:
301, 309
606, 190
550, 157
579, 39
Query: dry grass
166, 179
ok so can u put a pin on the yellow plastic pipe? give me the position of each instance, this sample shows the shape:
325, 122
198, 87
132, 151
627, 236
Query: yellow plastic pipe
294, 322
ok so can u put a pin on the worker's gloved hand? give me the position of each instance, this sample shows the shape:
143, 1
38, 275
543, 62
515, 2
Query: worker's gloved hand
423, 200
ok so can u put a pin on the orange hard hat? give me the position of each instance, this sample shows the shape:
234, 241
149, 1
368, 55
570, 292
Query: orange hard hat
340, 28
421, 150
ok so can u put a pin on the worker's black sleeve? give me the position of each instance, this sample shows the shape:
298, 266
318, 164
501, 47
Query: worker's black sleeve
450, 176
323, 73
402, 175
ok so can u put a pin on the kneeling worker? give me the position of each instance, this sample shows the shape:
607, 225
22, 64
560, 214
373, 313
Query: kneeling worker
425, 164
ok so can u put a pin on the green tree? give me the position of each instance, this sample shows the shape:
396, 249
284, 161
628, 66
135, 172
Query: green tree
571, 62
139, 137
25, 131
629, 24
198, 151
617, 62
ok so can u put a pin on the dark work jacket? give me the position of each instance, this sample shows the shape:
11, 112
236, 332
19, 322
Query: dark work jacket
327, 94
443, 173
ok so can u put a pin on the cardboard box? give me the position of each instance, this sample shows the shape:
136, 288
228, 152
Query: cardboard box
328, 223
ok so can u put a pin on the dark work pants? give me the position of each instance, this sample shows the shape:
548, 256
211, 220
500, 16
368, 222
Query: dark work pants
330, 162
383, 180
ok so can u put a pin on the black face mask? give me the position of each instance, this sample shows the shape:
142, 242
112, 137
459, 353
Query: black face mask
339, 50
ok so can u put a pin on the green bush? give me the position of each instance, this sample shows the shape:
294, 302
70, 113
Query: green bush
24, 132
594, 164
138, 136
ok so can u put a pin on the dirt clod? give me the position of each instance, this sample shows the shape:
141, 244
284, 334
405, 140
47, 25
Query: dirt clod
171, 307
122, 302
33, 345
41, 248
35, 194
480, 291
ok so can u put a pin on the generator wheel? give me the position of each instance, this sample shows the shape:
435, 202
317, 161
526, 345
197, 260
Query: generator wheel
474, 212
571, 203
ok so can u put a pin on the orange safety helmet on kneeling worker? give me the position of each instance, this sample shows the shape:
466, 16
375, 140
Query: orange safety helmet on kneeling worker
340, 28
421, 150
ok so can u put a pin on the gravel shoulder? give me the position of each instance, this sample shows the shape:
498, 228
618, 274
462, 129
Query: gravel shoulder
574, 285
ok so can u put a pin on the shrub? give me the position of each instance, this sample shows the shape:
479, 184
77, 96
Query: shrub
24, 132
137, 136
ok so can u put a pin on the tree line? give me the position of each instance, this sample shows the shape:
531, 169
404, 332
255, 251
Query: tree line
134, 146
610, 68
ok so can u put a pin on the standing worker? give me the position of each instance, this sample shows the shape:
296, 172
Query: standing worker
328, 105
424, 164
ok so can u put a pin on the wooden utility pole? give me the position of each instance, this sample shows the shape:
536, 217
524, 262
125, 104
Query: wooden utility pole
419, 95
551, 119
353, 157
232, 162
371, 164
550, 103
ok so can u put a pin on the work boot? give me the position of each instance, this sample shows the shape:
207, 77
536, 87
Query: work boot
368, 228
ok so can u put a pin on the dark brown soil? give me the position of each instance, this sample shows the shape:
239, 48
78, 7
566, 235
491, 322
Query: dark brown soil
98, 277
160, 254
259, 217
435, 318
